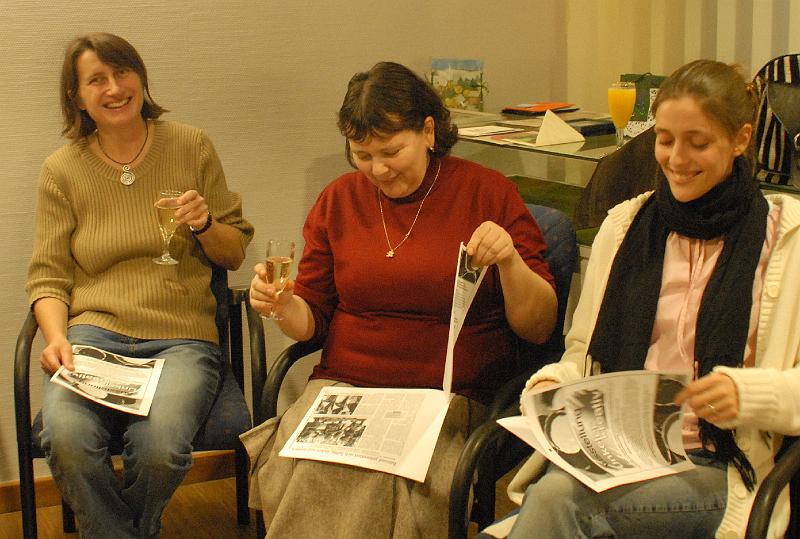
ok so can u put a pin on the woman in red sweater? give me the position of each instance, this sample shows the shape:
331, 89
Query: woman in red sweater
375, 289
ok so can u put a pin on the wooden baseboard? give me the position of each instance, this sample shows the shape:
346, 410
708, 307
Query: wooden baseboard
207, 466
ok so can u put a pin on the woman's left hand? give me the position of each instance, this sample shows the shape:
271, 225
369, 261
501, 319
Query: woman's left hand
490, 244
193, 210
713, 397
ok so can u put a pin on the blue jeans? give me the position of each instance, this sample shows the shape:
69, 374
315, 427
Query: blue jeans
687, 504
157, 449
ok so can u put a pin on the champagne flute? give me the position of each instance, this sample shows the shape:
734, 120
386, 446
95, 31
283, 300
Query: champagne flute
165, 207
621, 99
280, 255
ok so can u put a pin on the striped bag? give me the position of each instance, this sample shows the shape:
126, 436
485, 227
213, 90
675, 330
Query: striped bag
777, 143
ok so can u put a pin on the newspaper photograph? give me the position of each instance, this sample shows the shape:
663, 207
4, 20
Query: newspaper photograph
391, 430
468, 279
123, 383
608, 430
387, 429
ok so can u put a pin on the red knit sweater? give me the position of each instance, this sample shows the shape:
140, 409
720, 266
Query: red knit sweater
384, 322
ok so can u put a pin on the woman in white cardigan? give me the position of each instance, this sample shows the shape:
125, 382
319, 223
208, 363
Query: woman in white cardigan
699, 276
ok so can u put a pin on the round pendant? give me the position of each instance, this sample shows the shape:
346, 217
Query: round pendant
127, 178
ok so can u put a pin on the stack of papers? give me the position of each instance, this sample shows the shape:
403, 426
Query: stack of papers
486, 130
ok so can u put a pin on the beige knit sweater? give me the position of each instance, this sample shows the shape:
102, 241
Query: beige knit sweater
95, 238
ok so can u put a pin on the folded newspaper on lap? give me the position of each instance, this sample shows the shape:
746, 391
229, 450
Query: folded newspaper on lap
123, 383
608, 430
386, 429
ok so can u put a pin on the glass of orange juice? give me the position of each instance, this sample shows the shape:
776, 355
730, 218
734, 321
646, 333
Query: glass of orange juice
621, 98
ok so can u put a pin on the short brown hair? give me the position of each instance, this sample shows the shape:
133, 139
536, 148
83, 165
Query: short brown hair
390, 98
114, 51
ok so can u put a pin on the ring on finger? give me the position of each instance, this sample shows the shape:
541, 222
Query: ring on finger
711, 407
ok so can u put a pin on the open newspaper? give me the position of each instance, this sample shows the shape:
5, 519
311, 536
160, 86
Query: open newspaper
119, 382
386, 429
608, 430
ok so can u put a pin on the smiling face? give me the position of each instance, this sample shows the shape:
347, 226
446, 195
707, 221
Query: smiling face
395, 163
694, 151
111, 96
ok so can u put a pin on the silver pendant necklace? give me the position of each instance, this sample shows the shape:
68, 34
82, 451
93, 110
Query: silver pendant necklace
127, 177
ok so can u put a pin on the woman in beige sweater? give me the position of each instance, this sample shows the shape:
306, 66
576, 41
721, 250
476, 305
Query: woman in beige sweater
92, 281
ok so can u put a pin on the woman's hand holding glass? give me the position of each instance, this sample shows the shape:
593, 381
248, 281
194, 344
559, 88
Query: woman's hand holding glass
271, 289
176, 208
267, 299
193, 211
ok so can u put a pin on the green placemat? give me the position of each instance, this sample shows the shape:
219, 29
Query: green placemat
560, 196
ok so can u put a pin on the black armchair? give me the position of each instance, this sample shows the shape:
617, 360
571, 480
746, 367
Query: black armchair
786, 472
482, 454
228, 417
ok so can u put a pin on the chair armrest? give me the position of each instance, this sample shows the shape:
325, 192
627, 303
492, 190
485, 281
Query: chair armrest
22, 368
22, 411
275, 376
786, 468
258, 359
508, 394
485, 438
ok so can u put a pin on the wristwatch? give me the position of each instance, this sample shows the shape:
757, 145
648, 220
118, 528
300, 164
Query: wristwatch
206, 226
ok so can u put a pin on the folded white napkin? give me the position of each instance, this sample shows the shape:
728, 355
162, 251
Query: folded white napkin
554, 130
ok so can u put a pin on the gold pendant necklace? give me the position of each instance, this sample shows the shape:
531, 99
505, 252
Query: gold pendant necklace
390, 253
127, 177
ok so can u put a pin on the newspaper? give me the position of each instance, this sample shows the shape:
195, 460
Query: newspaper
608, 430
386, 429
123, 383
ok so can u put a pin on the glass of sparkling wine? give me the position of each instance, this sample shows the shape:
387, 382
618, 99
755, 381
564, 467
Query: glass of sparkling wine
621, 99
165, 207
280, 255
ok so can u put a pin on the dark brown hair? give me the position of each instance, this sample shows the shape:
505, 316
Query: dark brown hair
112, 50
718, 88
390, 98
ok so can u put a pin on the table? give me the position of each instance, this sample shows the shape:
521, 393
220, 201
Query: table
571, 163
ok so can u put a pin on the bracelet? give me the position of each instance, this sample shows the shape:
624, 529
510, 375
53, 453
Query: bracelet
206, 226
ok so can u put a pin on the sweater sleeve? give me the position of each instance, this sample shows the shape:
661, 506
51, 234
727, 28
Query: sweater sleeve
52, 267
768, 399
315, 275
225, 205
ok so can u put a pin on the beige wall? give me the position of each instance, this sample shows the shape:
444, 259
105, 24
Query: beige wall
609, 37
263, 78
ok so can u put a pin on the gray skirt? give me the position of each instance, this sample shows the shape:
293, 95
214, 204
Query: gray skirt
309, 499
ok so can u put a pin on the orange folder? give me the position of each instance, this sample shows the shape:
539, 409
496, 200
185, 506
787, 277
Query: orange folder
535, 109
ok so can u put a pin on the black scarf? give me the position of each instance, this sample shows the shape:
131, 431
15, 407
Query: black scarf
736, 210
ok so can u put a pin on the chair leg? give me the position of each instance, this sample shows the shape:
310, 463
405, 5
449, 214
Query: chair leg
27, 496
240, 463
483, 512
67, 518
261, 529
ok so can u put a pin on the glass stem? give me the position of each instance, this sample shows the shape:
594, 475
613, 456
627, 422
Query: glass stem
620, 137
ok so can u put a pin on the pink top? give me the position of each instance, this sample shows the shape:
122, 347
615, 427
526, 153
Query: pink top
688, 265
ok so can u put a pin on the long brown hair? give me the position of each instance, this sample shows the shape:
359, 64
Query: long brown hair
719, 89
114, 51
